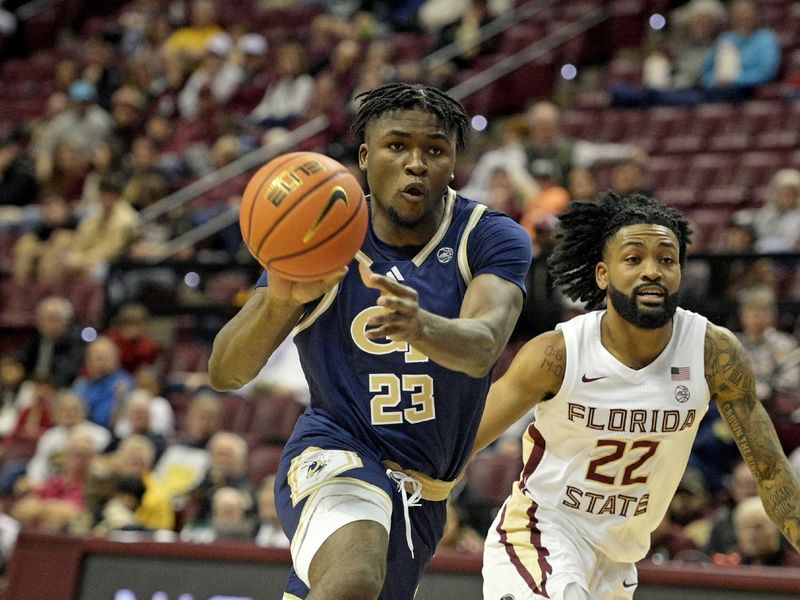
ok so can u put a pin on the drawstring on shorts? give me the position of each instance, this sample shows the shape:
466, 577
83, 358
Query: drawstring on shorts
408, 501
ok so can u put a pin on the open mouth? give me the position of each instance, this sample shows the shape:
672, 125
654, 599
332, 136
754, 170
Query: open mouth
414, 191
651, 295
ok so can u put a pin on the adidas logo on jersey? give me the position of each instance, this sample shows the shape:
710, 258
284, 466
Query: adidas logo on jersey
395, 274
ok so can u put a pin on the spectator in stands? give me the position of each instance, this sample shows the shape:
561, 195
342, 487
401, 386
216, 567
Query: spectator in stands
184, 464
742, 58
135, 419
269, 533
251, 58
69, 414
777, 222
146, 182
464, 33
33, 420
12, 377
671, 73
127, 110
61, 498
227, 467
130, 331
135, 458
504, 195
690, 507
549, 201
67, 170
289, 93
190, 42
162, 416
105, 383
119, 512
229, 519
47, 242
669, 542
767, 347
102, 236
84, 123
105, 161
102, 69
509, 156
55, 349
628, 177
582, 184
547, 141
221, 75
739, 485
759, 542
18, 183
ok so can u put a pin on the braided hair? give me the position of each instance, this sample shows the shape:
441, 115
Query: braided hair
400, 96
585, 227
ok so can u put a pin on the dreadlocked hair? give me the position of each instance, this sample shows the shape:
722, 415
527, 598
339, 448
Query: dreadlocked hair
401, 96
585, 227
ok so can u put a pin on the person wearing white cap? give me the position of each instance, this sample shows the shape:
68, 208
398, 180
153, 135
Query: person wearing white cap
215, 71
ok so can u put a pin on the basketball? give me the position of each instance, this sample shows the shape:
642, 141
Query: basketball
303, 216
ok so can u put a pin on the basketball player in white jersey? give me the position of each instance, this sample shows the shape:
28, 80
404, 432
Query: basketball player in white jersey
618, 395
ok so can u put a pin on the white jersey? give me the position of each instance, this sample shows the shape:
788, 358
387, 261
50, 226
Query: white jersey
609, 450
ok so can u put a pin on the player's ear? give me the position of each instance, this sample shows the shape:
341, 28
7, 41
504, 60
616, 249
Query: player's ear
362, 157
601, 275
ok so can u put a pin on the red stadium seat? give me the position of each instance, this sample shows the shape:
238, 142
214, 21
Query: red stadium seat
262, 461
273, 418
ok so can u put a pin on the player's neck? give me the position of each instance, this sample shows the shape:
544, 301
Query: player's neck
393, 234
632, 346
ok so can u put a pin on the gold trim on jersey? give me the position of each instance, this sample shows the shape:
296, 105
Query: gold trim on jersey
434, 490
288, 596
463, 261
363, 258
324, 305
447, 218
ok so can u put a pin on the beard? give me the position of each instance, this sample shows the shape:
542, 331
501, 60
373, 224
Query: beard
647, 318
401, 221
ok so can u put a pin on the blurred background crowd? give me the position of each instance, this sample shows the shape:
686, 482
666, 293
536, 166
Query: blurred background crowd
129, 130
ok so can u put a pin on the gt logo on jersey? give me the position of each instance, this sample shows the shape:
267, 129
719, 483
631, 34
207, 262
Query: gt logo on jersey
358, 331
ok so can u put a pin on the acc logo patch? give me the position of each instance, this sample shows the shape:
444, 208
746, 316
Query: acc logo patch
445, 255
682, 393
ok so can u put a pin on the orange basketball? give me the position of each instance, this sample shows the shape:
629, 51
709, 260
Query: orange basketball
303, 216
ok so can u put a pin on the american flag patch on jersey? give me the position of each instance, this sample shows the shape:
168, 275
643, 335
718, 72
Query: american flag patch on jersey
680, 373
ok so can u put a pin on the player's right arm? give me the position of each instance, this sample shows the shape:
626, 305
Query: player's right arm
243, 346
535, 374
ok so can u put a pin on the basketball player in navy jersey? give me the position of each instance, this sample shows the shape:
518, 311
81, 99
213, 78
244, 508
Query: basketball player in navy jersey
618, 394
398, 351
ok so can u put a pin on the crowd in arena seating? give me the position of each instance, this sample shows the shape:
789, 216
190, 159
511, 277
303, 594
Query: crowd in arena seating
113, 433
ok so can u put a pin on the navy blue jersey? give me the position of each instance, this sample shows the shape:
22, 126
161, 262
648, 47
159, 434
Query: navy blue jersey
408, 408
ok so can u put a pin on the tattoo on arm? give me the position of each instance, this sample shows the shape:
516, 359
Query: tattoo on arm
553, 361
731, 381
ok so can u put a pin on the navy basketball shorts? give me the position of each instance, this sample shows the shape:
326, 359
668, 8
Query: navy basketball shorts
327, 479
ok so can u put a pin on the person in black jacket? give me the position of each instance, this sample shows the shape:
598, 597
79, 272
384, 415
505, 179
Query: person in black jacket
56, 348
18, 184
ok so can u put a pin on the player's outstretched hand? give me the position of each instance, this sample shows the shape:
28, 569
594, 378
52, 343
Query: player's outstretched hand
296, 292
400, 319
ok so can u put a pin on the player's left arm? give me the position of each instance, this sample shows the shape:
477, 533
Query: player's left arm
731, 382
469, 344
